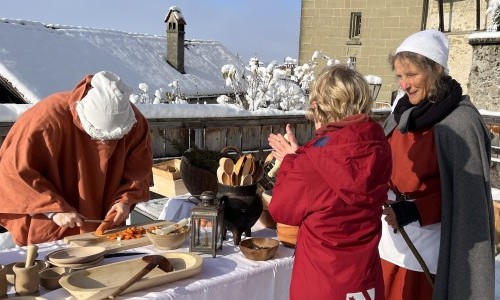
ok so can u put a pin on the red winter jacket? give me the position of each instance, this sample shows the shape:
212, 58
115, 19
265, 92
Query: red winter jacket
334, 187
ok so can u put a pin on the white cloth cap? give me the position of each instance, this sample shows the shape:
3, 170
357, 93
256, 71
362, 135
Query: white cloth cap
430, 43
105, 112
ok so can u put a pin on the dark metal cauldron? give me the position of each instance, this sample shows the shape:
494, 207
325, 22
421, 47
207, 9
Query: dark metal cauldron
242, 209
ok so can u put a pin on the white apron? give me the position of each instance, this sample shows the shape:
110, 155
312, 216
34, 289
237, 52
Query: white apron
394, 249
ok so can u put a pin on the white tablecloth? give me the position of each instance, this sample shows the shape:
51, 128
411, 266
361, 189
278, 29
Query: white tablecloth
228, 276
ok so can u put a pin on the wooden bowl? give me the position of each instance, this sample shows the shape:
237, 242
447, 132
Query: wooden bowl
259, 248
168, 241
265, 217
267, 220
49, 278
287, 234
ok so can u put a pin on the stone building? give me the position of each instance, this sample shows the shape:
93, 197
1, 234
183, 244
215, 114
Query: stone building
366, 32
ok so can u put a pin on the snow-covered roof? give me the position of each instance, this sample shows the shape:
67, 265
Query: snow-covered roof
40, 59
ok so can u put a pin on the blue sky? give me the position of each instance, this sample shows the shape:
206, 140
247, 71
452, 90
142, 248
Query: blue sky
268, 29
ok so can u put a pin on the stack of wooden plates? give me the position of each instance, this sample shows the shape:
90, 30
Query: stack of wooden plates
76, 257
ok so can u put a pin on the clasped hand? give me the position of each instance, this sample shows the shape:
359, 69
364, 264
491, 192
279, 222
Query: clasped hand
281, 145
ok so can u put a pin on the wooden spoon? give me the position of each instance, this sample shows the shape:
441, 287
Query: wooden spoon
220, 172
234, 179
227, 164
259, 173
153, 262
246, 179
247, 166
226, 179
238, 168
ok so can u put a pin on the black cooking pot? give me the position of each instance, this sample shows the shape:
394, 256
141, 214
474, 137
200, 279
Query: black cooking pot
242, 209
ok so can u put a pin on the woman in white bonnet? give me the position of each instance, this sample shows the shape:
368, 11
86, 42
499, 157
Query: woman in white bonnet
440, 191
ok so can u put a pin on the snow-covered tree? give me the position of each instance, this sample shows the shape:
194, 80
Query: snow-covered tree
143, 96
270, 86
175, 95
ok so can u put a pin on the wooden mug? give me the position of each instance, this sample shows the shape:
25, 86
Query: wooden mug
27, 281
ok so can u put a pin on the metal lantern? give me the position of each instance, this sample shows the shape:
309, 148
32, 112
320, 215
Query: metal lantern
207, 220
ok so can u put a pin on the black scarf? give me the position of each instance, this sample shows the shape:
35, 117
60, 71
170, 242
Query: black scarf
433, 109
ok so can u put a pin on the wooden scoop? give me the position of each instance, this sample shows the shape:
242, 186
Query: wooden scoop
31, 253
153, 262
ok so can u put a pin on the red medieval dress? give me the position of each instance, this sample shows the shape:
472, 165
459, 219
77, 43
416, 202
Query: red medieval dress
48, 163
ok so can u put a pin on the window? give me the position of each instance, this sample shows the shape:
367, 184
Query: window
355, 28
351, 62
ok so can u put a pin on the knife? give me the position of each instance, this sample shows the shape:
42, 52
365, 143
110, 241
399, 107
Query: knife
120, 254
94, 221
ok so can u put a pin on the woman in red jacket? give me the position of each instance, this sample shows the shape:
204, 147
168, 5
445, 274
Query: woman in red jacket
334, 187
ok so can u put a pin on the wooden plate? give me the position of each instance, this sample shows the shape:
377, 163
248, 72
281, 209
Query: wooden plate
76, 255
79, 266
99, 282
91, 239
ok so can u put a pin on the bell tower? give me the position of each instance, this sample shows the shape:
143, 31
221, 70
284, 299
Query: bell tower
175, 38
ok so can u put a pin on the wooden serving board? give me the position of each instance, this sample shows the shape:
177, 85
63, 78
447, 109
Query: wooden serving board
98, 283
112, 246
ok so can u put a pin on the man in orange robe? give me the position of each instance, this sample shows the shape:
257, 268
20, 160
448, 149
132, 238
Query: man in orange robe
80, 154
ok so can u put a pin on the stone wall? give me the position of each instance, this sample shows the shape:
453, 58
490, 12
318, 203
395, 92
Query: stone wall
325, 27
484, 79
460, 21
484, 85
385, 23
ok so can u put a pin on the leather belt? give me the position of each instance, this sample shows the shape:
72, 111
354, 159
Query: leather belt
401, 197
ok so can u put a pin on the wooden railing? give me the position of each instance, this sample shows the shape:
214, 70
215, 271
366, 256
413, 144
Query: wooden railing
171, 136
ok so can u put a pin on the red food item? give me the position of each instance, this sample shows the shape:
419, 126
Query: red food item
105, 225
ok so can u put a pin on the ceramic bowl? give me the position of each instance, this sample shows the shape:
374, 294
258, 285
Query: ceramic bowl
259, 248
42, 265
168, 241
49, 278
287, 234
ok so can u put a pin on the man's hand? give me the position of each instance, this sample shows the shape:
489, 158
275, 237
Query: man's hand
69, 219
122, 212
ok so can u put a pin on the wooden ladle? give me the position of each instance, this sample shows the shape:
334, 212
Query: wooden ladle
153, 262
227, 164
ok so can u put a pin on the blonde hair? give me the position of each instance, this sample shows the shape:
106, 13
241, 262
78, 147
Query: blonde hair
338, 92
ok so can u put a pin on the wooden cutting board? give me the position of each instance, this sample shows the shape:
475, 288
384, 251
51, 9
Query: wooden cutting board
112, 246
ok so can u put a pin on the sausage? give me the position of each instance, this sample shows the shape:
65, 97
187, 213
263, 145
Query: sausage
105, 225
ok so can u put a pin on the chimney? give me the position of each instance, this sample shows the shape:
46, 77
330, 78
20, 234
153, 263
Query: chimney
175, 38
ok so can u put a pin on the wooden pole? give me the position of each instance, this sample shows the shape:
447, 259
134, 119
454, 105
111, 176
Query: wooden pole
441, 17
